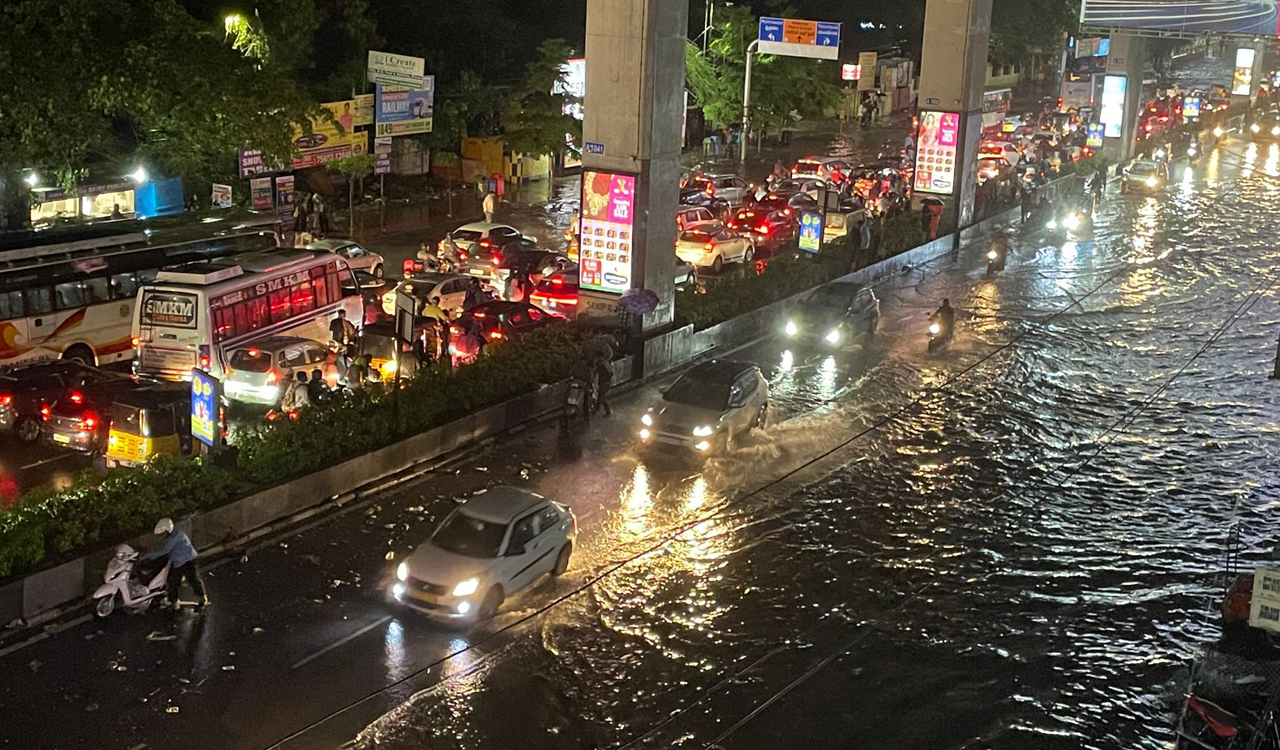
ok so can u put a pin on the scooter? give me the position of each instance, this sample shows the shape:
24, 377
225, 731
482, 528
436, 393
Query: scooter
995, 261
576, 402
939, 335
121, 587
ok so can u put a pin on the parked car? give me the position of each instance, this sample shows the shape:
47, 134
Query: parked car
1144, 176
708, 408
80, 418
451, 288
257, 373
714, 245
834, 314
357, 257
485, 551
25, 388
467, 236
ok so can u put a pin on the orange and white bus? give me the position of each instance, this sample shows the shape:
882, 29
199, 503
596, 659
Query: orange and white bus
69, 293
191, 314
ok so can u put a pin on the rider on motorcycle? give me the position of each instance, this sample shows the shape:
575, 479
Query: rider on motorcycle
999, 250
944, 318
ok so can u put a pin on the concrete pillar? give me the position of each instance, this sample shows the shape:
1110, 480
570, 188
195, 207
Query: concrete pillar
1127, 58
953, 69
633, 110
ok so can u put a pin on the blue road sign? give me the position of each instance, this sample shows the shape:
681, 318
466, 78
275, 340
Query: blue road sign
811, 231
828, 34
595, 148
771, 29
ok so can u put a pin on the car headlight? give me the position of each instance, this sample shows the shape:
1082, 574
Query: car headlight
1275, 130
402, 571
389, 367
1072, 221
645, 434
1151, 181
1217, 132
703, 446
467, 587
1053, 224
1254, 128
935, 329
647, 420
791, 328
702, 431
992, 255
833, 337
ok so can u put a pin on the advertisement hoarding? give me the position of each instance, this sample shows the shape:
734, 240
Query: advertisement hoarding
204, 407
867, 66
251, 162
260, 193
606, 229
1094, 134
850, 72
395, 70
573, 84
221, 196
402, 111
811, 230
284, 197
1242, 78
326, 143
936, 146
1194, 17
1111, 111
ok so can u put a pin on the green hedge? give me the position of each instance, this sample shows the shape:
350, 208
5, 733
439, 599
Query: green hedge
95, 510
372, 418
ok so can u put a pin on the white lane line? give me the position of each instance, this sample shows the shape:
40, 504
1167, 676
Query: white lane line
341, 641
47, 461
23, 644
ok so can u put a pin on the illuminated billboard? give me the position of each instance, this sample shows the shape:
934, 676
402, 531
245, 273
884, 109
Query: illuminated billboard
1111, 113
936, 146
1242, 79
1252, 17
605, 237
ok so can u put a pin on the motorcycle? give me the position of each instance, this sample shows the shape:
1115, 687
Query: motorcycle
939, 334
121, 586
995, 260
576, 402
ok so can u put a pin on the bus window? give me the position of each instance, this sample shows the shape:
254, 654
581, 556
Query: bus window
258, 314
124, 286
11, 305
39, 300
96, 289
223, 324
241, 314
281, 308
320, 287
69, 295
304, 298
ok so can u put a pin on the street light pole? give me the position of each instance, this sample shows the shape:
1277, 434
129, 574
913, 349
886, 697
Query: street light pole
746, 100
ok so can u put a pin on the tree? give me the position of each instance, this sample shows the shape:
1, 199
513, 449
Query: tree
354, 167
534, 120
166, 90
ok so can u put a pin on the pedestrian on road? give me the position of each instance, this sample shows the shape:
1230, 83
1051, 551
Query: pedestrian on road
1024, 196
299, 214
473, 294
490, 206
182, 556
316, 388
433, 310
322, 216
780, 171
604, 379
295, 395
343, 332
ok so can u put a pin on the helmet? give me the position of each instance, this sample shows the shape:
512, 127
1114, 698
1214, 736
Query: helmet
163, 526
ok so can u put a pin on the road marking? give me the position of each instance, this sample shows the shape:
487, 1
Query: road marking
341, 641
47, 461
70, 623
23, 644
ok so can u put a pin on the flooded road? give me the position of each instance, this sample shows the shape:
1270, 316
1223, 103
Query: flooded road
1012, 543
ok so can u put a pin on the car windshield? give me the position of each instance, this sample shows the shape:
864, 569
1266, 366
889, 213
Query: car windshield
835, 296
250, 360
465, 235
692, 390
1143, 168
463, 535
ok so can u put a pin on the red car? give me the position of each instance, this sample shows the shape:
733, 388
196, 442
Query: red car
768, 224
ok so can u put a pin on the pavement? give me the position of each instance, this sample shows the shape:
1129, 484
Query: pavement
301, 648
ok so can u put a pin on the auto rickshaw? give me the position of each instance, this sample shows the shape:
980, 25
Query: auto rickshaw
147, 422
378, 342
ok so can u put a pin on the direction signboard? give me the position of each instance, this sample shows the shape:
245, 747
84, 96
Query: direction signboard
798, 38
395, 70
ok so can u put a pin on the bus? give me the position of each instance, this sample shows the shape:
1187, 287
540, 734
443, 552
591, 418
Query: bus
69, 293
194, 315
995, 105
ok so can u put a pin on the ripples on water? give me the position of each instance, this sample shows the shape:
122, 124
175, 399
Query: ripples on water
1052, 618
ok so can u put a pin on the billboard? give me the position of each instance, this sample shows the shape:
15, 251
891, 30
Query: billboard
1252, 17
866, 71
326, 142
1111, 111
204, 407
606, 231
936, 146
401, 111
799, 38
811, 230
573, 83
1242, 78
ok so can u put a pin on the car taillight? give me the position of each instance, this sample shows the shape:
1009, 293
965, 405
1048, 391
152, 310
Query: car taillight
484, 243
273, 377
557, 281
709, 247
786, 212
88, 422
6, 399
77, 397
496, 259
763, 229
495, 334
462, 255
44, 412
136, 341
411, 265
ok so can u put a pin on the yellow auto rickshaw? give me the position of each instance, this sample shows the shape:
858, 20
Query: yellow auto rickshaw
150, 421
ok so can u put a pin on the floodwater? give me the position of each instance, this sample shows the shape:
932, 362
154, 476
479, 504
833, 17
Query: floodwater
991, 547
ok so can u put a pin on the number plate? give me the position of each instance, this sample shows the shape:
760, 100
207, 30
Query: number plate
58, 437
424, 596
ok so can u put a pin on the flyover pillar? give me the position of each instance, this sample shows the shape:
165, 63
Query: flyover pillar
953, 75
1122, 96
633, 113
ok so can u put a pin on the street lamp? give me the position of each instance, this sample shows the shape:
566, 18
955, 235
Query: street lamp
232, 22
139, 175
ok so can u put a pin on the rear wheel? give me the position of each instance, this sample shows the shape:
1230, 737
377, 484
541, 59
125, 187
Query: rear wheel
492, 601
378, 273
562, 560
750, 253
28, 429
106, 605
717, 265
82, 354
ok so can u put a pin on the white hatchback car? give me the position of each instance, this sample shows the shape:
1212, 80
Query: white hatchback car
357, 257
713, 244
451, 288
486, 550
257, 372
